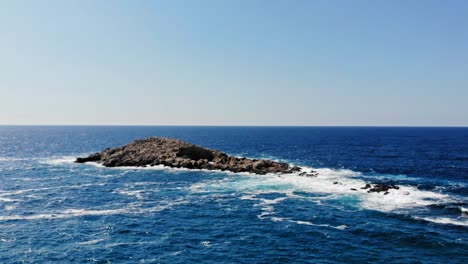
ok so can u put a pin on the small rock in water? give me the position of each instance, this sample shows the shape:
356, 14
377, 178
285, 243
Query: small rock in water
308, 174
353, 189
382, 188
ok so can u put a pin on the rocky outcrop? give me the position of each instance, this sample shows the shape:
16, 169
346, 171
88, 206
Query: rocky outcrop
179, 154
380, 187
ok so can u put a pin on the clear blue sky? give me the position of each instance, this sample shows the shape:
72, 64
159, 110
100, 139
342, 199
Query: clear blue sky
234, 62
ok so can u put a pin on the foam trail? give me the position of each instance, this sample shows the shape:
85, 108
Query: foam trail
330, 184
9, 207
340, 227
445, 220
8, 159
335, 183
463, 210
91, 242
206, 243
15, 192
8, 200
406, 198
55, 161
281, 219
137, 193
69, 213
169, 169
63, 214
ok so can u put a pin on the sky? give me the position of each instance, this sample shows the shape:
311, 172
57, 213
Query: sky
239, 62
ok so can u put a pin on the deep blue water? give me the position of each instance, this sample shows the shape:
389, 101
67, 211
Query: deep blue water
52, 210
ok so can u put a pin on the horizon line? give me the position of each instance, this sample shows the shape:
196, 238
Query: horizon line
147, 125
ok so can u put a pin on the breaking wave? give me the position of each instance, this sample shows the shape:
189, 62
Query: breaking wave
69, 213
330, 184
445, 220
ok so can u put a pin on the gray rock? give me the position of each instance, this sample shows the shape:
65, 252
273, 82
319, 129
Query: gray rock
381, 187
179, 154
368, 186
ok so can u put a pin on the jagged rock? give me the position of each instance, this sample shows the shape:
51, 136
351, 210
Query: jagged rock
382, 188
93, 157
179, 154
368, 186
312, 174
308, 174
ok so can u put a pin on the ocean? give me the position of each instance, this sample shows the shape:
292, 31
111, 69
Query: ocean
53, 210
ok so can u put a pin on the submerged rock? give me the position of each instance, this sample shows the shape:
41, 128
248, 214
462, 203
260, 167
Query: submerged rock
179, 154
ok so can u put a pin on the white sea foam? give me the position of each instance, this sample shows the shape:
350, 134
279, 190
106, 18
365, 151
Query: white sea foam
266, 205
69, 213
330, 184
58, 160
277, 219
340, 227
4, 240
299, 222
266, 213
149, 183
445, 220
91, 242
406, 197
136, 193
7, 159
132, 243
9, 207
168, 169
463, 210
64, 214
8, 200
206, 243
22, 191
304, 223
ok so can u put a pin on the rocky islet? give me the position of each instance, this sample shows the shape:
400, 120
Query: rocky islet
176, 153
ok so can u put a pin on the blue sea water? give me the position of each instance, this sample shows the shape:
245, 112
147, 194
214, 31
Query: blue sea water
53, 210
